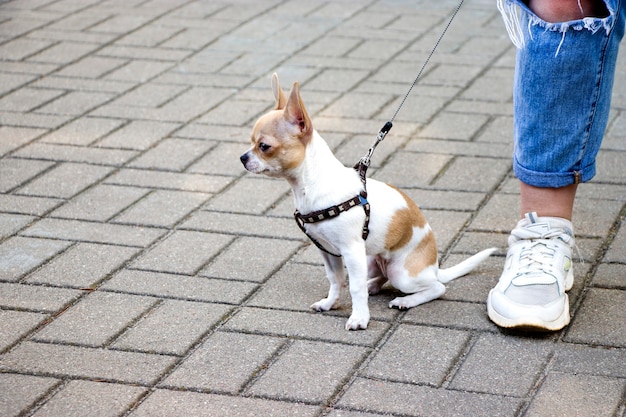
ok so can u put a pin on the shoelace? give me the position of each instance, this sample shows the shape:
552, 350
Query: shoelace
537, 257
526, 234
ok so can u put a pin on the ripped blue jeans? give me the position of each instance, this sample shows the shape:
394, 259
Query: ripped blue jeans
562, 92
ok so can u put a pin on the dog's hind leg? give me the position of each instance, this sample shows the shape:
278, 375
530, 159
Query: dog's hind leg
336, 277
376, 275
421, 289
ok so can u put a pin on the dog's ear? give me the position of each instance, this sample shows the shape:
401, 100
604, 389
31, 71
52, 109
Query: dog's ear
279, 94
296, 114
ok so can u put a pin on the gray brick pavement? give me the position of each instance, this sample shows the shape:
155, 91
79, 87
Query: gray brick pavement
144, 273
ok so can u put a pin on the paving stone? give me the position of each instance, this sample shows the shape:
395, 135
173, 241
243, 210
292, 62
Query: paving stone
589, 223
63, 52
172, 154
35, 206
19, 255
249, 195
30, 121
290, 376
451, 314
19, 392
560, 395
183, 108
348, 413
502, 366
597, 320
86, 363
454, 126
446, 225
592, 360
139, 71
610, 276
16, 324
407, 399
89, 398
75, 103
183, 252
242, 224
245, 354
106, 88
27, 99
162, 208
424, 168
113, 157
609, 159
15, 172
139, 135
65, 180
91, 67
219, 160
36, 298
418, 355
83, 131
143, 53
350, 150
169, 180
21, 48
473, 174
100, 203
169, 403
236, 112
11, 223
314, 326
250, 259
446, 200
172, 327
462, 148
180, 286
94, 232
149, 95
14, 137
617, 250
96, 319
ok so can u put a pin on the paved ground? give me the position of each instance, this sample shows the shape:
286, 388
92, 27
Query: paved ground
144, 273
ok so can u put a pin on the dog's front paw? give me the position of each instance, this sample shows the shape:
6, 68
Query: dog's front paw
325, 304
357, 322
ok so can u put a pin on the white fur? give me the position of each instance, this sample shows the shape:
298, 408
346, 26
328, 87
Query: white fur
321, 181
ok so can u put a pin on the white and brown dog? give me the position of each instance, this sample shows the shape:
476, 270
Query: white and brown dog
400, 246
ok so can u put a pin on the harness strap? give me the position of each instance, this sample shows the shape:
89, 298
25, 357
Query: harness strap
334, 211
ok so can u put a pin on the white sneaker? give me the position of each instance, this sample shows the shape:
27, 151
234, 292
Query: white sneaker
537, 272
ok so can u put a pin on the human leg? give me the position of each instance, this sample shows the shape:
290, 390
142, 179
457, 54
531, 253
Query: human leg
563, 82
547, 202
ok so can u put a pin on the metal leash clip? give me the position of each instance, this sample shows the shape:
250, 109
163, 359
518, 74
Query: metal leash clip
366, 159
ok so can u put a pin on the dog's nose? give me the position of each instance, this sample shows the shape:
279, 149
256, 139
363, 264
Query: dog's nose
244, 158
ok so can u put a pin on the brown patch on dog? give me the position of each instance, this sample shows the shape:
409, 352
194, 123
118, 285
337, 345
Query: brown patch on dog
423, 256
273, 142
402, 223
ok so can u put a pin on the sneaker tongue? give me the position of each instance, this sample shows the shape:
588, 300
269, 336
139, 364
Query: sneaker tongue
533, 279
540, 228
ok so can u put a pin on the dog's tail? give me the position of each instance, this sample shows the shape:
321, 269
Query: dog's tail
448, 274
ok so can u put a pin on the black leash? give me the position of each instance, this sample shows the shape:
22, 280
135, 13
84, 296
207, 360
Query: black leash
364, 162
362, 166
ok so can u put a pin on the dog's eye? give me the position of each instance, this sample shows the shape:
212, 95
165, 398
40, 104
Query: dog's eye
264, 147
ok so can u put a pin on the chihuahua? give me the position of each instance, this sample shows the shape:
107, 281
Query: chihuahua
400, 246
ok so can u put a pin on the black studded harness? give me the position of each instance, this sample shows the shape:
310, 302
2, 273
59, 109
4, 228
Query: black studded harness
334, 211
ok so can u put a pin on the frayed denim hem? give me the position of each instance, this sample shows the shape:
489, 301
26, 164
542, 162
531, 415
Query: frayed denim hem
510, 10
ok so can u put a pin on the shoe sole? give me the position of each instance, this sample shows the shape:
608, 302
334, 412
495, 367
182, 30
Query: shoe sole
532, 323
